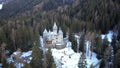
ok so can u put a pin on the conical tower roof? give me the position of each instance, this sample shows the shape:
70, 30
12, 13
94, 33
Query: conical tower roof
54, 26
45, 31
60, 31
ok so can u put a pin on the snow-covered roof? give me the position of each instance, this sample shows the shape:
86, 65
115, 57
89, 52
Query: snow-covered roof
58, 44
16, 53
25, 54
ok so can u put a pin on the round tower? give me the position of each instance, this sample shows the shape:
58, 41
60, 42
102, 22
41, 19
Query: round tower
60, 35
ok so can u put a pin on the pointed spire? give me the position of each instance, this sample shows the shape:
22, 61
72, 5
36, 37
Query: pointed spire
45, 31
60, 31
49, 31
54, 26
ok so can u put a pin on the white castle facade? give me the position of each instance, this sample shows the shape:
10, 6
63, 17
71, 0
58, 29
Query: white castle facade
53, 38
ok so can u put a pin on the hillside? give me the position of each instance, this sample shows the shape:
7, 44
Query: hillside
23, 21
97, 13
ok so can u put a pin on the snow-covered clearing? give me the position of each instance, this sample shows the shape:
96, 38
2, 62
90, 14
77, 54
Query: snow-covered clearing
66, 58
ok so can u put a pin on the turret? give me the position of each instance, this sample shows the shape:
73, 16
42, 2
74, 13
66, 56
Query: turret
60, 31
45, 33
55, 28
60, 35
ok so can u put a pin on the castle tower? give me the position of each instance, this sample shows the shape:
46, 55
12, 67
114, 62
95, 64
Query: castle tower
55, 28
60, 35
45, 33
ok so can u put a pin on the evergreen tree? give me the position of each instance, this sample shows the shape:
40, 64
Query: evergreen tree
27, 65
102, 64
117, 59
117, 55
92, 66
82, 43
11, 65
98, 48
4, 62
105, 43
74, 42
36, 61
50, 60
82, 61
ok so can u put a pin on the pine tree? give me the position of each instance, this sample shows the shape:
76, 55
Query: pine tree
4, 62
27, 65
82, 61
50, 60
98, 48
92, 66
11, 65
74, 42
36, 61
82, 43
105, 43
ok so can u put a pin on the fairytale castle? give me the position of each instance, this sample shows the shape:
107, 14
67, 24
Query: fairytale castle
54, 38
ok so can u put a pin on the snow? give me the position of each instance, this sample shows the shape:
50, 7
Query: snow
77, 39
15, 53
1, 6
0, 65
66, 58
90, 56
41, 41
25, 54
109, 36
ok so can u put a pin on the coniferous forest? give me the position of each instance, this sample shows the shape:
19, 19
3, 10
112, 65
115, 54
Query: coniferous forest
23, 21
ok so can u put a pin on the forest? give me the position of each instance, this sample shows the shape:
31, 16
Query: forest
23, 21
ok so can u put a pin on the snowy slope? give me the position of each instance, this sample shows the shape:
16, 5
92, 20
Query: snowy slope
66, 58
90, 56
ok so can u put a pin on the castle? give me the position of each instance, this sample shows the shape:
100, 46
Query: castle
54, 38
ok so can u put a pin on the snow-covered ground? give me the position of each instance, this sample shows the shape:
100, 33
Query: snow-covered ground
1, 6
91, 56
109, 36
25, 57
67, 58
64, 58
